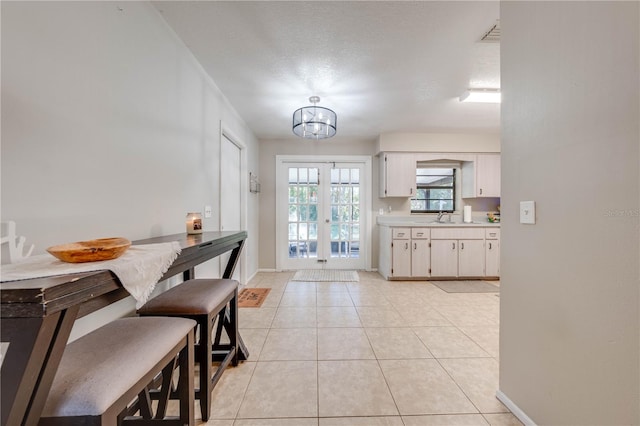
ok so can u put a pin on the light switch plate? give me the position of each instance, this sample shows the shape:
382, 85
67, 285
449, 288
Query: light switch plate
208, 211
528, 212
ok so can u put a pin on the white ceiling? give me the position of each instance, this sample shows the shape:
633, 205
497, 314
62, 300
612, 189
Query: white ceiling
382, 66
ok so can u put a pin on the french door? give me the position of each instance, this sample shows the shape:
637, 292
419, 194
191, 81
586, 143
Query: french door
320, 215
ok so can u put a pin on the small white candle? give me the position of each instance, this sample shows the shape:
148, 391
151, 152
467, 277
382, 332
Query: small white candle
194, 223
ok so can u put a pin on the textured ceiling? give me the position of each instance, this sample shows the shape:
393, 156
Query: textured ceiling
381, 66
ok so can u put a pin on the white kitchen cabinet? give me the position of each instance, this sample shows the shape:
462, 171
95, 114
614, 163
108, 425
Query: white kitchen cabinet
457, 252
408, 252
404, 252
397, 175
420, 253
481, 177
471, 258
492, 253
444, 258
401, 254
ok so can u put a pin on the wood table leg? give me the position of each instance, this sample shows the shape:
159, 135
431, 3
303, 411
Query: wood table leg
35, 348
243, 352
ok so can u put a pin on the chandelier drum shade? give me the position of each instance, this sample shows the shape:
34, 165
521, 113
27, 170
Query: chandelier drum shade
314, 122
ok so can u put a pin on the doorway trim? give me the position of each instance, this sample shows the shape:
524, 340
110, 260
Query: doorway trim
367, 190
225, 131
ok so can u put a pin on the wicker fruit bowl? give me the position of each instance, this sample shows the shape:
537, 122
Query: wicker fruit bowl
90, 251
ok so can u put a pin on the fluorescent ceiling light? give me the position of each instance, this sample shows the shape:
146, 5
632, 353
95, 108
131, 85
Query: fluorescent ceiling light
481, 95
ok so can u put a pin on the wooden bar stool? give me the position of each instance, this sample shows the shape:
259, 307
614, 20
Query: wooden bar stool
204, 300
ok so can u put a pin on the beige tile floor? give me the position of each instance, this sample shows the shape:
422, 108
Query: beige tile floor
364, 354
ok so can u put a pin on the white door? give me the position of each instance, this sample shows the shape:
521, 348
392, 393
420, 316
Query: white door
230, 193
320, 218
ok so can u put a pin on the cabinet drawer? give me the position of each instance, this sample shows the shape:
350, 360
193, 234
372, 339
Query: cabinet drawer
401, 233
457, 234
420, 233
492, 233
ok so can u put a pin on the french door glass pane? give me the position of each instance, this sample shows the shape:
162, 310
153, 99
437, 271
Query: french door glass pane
303, 212
345, 214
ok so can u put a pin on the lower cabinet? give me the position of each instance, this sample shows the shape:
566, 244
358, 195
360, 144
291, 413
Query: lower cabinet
401, 253
420, 252
492, 253
458, 252
457, 258
407, 252
444, 258
471, 258
409, 256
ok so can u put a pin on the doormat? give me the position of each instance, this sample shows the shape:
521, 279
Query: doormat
466, 286
252, 297
325, 275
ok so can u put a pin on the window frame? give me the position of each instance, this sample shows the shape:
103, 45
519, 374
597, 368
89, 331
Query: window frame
424, 186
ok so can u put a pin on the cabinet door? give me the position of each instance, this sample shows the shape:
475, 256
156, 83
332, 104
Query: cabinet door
488, 175
492, 251
401, 258
471, 258
444, 258
398, 175
420, 258
481, 178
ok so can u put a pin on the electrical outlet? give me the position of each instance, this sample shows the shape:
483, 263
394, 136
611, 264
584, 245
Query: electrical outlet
528, 212
208, 211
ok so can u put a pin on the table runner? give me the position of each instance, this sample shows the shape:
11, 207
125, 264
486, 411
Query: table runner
138, 269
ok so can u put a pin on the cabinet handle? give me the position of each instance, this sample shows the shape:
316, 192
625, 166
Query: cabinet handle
406, 246
462, 246
453, 246
480, 191
411, 191
415, 246
489, 246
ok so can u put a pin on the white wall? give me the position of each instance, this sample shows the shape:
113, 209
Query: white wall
109, 127
569, 335
439, 142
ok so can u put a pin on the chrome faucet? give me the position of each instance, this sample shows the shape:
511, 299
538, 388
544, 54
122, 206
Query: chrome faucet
440, 216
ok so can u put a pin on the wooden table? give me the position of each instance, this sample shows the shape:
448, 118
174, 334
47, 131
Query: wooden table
38, 314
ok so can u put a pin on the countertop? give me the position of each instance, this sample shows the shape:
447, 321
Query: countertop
411, 221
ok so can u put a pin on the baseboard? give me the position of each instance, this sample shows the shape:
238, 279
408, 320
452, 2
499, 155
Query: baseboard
526, 420
252, 276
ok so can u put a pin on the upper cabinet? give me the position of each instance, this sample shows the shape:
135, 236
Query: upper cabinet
397, 175
481, 178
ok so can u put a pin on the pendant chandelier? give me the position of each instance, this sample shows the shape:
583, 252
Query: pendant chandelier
314, 122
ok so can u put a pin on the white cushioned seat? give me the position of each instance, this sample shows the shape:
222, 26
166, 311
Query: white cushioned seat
100, 367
